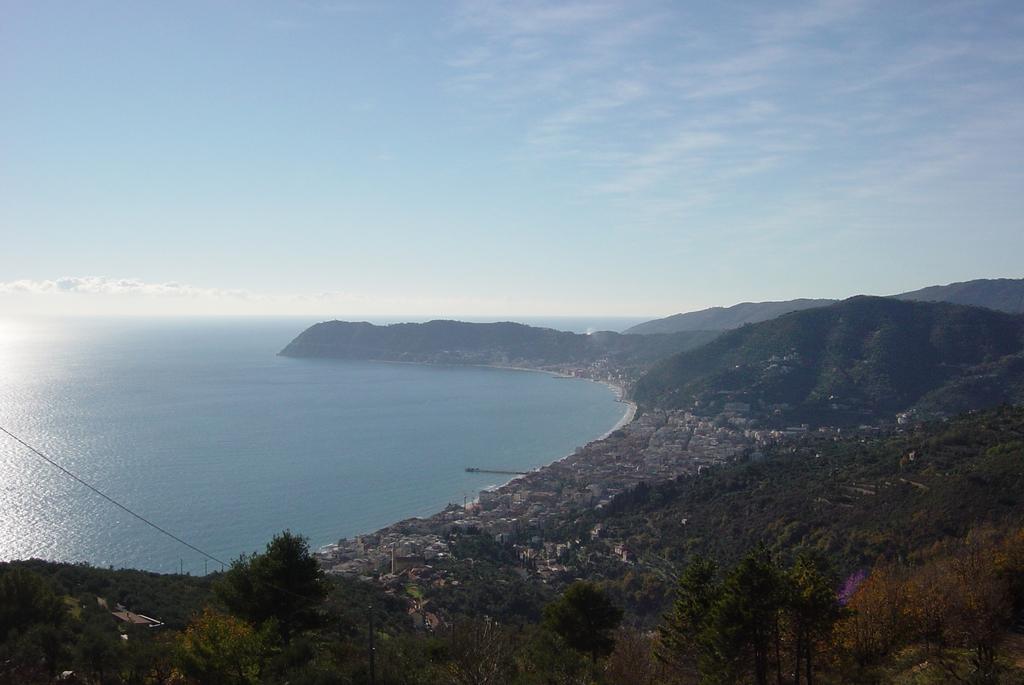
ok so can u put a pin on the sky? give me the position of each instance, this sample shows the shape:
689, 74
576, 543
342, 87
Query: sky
345, 158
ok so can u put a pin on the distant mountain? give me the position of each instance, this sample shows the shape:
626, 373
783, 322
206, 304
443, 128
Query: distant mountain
725, 318
506, 343
1001, 294
861, 359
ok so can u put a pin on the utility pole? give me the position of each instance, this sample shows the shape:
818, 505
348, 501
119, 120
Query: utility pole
373, 674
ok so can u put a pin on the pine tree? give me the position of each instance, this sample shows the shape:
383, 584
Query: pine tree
585, 618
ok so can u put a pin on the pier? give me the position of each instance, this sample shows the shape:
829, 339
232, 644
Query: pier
473, 469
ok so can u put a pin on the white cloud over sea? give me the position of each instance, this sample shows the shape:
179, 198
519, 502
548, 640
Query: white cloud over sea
117, 296
515, 156
97, 285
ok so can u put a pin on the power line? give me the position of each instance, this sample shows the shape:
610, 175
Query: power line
142, 518
110, 499
171, 535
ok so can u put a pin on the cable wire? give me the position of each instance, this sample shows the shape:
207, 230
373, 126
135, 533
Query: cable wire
110, 499
142, 518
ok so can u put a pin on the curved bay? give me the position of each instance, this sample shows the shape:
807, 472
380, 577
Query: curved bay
198, 425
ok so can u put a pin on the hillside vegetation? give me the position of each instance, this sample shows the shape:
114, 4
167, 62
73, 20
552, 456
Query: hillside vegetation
1001, 294
854, 500
860, 360
888, 559
725, 318
506, 343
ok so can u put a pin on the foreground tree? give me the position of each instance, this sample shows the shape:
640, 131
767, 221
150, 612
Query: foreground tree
878, 621
633, 662
216, 648
759, 623
99, 649
480, 653
682, 634
585, 618
284, 584
26, 599
743, 626
813, 610
961, 600
32, 622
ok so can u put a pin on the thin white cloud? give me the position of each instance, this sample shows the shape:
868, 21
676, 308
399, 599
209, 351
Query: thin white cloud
470, 58
790, 25
532, 18
918, 60
977, 146
531, 47
558, 127
668, 157
662, 107
135, 296
97, 285
340, 7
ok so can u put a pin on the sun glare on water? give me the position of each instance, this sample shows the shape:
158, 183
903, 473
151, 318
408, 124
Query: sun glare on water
13, 334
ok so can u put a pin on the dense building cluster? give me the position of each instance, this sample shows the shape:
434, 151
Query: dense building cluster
527, 512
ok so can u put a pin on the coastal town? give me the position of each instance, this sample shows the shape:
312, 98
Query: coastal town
527, 514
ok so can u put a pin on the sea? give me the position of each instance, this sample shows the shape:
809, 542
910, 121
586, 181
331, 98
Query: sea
199, 427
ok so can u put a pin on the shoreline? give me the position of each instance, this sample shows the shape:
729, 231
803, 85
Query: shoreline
620, 397
628, 416
619, 390
590, 476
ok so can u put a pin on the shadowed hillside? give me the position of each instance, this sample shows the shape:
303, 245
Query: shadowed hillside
725, 318
506, 343
862, 359
1001, 294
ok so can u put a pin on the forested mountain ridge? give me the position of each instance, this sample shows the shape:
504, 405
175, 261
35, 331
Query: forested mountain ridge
725, 318
863, 359
913, 538
504, 343
854, 499
1001, 294
515, 344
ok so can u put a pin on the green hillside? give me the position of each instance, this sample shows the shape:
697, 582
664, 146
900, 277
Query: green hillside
457, 342
1001, 294
923, 524
854, 500
863, 359
725, 318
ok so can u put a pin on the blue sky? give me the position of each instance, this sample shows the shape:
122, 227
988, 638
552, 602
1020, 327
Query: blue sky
490, 158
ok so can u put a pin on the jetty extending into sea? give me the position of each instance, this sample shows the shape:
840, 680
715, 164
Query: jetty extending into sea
473, 469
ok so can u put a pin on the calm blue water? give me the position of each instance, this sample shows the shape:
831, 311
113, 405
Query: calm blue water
198, 425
